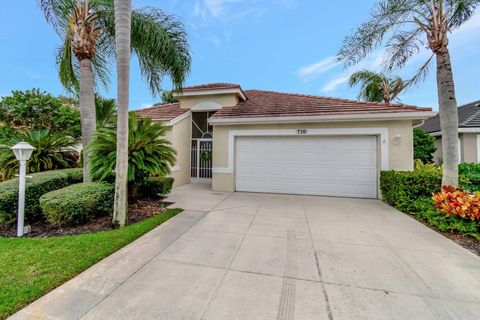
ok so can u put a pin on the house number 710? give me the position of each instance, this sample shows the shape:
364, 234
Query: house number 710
301, 131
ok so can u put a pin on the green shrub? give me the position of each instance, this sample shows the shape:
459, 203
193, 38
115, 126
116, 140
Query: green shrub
39, 184
469, 168
424, 210
78, 203
74, 175
157, 186
401, 188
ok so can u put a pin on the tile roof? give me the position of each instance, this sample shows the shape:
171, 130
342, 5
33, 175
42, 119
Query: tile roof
276, 104
468, 117
212, 86
165, 112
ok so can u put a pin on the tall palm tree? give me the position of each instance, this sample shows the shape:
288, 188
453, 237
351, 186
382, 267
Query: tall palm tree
123, 16
377, 87
408, 25
87, 30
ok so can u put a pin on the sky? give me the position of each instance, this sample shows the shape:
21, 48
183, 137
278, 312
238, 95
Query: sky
279, 45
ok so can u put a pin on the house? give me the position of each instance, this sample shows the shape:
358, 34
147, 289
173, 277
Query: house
263, 141
468, 133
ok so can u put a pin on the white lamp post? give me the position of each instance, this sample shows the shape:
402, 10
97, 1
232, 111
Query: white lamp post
22, 151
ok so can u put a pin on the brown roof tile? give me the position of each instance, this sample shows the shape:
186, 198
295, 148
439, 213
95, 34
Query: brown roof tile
276, 104
212, 86
165, 112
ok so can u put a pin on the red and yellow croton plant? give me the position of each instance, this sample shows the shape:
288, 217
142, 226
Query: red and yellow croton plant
457, 202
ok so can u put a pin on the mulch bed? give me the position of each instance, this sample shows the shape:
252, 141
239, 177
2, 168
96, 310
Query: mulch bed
138, 210
468, 243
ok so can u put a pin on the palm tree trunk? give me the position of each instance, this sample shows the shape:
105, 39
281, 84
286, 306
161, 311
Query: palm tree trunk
123, 14
87, 112
448, 118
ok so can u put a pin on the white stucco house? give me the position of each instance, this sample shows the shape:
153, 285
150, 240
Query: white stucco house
264, 141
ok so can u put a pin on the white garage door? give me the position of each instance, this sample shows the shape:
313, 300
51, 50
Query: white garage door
313, 165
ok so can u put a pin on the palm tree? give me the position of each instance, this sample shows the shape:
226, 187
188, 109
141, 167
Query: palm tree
376, 87
105, 111
123, 16
87, 30
53, 150
409, 24
149, 152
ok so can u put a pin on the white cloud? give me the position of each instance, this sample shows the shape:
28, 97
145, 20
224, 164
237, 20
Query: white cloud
334, 83
373, 62
316, 69
29, 73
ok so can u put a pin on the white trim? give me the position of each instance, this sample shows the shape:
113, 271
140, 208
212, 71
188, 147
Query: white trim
382, 132
478, 148
176, 120
342, 117
460, 130
204, 92
206, 106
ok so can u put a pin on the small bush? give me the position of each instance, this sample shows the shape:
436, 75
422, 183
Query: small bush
39, 184
456, 202
425, 211
74, 175
78, 203
157, 186
401, 188
469, 168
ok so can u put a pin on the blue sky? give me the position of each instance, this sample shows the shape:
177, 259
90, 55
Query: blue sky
281, 45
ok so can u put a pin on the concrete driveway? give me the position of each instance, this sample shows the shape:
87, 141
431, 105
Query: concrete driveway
263, 256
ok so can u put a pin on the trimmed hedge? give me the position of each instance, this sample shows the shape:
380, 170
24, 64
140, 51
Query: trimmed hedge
401, 188
78, 203
74, 175
38, 185
157, 186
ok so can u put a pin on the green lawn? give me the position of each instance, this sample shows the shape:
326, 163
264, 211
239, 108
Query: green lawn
30, 267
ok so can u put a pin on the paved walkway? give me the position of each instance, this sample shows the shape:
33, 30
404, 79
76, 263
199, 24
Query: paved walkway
263, 256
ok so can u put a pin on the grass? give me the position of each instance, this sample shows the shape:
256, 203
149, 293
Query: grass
31, 267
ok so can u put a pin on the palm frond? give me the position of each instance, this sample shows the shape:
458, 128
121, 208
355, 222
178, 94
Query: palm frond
149, 152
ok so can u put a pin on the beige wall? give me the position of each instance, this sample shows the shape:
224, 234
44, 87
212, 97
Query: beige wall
226, 100
468, 148
400, 156
179, 135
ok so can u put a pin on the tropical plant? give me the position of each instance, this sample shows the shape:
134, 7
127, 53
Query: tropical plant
377, 87
87, 30
423, 146
149, 153
52, 151
419, 166
409, 24
105, 111
456, 202
35, 109
123, 17
168, 97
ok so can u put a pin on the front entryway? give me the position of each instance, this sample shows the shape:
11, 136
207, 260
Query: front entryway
201, 148
201, 161
312, 165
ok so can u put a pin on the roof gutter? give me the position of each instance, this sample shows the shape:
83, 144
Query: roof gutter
418, 115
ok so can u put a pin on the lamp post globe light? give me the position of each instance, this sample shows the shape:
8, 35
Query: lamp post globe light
23, 152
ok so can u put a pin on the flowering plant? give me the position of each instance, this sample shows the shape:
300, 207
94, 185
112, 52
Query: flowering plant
454, 201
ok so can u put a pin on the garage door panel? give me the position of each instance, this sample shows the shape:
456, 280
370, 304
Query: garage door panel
336, 166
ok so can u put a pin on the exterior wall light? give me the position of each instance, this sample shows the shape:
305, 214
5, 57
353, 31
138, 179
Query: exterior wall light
23, 152
397, 140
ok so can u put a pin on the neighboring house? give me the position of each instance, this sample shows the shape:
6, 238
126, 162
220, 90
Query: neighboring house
262, 141
468, 133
